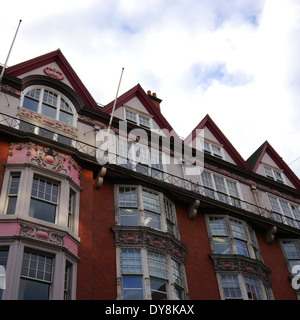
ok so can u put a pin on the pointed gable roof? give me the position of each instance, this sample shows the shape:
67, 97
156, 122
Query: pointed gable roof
147, 102
218, 134
70, 74
255, 159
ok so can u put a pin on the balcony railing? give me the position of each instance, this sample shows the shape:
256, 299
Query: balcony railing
153, 172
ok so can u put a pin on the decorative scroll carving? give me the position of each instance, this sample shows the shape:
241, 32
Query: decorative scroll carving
41, 234
241, 264
44, 157
144, 236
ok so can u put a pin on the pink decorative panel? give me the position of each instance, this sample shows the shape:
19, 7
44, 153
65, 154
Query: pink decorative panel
44, 157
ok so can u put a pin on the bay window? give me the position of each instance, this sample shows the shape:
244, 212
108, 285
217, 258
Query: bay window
232, 236
46, 196
138, 206
149, 274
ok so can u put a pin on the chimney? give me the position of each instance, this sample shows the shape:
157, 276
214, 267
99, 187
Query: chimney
154, 98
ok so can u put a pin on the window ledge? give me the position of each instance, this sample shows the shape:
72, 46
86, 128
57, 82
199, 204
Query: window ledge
47, 122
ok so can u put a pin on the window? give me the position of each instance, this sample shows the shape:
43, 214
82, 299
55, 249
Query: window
137, 119
292, 252
178, 279
141, 206
128, 206
132, 274
151, 209
213, 149
52, 200
13, 193
50, 104
232, 236
36, 276
273, 174
285, 212
44, 198
221, 189
53, 105
3, 264
241, 287
147, 273
139, 158
68, 281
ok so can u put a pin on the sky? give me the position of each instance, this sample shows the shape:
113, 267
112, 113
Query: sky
236, 60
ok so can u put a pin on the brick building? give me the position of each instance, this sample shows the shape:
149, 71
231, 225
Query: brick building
142, 214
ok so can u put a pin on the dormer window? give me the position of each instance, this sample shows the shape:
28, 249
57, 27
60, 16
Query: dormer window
273, 174
213, 149
137, 118
49, 103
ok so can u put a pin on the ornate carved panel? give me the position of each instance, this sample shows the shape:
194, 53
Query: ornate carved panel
150, 238
241, 264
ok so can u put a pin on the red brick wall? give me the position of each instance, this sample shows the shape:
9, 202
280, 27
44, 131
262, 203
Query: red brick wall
96, 274
4, 149
274, 260
201, 278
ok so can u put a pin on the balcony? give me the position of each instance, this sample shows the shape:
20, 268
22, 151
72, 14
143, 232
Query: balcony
192, 189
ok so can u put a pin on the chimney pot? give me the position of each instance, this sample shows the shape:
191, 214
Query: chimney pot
154, 94
149, 92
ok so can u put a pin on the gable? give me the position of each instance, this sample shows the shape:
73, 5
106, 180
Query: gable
214, 137
136, 100
55, 66
266, 156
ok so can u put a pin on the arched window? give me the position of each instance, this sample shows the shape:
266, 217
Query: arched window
49, 103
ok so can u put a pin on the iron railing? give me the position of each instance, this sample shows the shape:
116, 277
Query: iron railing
153, 172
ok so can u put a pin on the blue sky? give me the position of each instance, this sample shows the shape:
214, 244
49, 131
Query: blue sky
236, 60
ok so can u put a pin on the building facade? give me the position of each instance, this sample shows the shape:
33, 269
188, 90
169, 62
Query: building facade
133, 211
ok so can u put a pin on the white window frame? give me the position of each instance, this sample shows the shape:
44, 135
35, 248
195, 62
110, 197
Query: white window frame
251, 241
209, 149
140, 208
215, 194
272, 174
59, 97
132, 161
280, 215
242, 286
146, 276
138, 114
14, 266
27, 172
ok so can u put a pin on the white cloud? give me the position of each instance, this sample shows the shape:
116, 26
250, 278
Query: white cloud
236, 60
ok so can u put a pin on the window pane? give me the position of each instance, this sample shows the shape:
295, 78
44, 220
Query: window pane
33, 290
66, 117
132, 288
217, 226
151, 201
238, 229
128, 197
241, 247
157, 264
30, 104
129, 217
231, 287
3, 263
131, 261
42, 210
221, 245
158, 289
253, 289
48, 111
152, 220
11, 206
